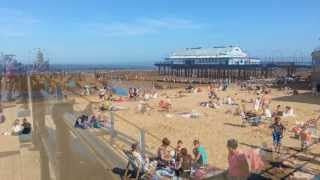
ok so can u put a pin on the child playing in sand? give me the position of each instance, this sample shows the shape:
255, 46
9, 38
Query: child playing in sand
277, 134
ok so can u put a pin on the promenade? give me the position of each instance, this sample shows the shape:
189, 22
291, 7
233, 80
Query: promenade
18, 158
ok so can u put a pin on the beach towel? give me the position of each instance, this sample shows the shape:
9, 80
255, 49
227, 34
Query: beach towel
118, 108
204, 173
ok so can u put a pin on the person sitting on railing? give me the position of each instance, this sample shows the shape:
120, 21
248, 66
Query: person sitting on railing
165, 105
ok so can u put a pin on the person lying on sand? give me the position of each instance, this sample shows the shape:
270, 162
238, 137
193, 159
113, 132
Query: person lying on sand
165, 105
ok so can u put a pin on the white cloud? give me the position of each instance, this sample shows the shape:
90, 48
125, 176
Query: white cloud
15, 23
142, 26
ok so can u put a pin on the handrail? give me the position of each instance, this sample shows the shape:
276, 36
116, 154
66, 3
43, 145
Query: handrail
96, 146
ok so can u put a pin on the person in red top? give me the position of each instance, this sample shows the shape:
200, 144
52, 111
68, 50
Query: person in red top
238, 165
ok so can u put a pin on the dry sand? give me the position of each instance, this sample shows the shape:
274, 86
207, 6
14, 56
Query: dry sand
214, 127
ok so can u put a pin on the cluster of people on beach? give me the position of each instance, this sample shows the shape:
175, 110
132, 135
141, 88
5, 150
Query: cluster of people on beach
92, 121
172, 162
178, 162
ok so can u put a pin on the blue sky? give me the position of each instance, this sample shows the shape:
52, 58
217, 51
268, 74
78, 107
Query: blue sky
145, 31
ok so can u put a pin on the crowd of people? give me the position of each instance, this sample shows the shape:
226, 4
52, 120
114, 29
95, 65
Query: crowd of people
179, 162
172, 162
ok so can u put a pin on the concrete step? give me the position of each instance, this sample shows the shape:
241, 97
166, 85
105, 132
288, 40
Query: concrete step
30, 162
10, 158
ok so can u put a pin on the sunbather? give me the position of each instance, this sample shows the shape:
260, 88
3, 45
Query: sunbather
165, 105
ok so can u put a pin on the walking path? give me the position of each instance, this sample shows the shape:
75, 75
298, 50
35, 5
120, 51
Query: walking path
18, 159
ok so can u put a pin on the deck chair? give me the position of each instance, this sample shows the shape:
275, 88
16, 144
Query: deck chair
136, 166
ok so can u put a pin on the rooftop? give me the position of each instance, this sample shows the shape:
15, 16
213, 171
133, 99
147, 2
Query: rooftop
199, 52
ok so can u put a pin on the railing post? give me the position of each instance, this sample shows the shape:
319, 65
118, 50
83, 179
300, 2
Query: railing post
63, 153
142, 142
113, 131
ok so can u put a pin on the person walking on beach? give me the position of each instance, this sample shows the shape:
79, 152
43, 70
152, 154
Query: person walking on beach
277, 133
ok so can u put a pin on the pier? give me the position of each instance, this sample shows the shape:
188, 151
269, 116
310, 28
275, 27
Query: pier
229, 71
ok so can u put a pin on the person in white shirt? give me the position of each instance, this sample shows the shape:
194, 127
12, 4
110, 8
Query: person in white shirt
16, 127
288, 112
257, 104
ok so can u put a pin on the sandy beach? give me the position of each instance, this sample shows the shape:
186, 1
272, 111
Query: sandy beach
214, 126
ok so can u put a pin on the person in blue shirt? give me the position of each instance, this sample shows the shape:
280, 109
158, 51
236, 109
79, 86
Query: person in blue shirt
201, 156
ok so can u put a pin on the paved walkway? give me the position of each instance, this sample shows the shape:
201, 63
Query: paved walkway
18, 160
